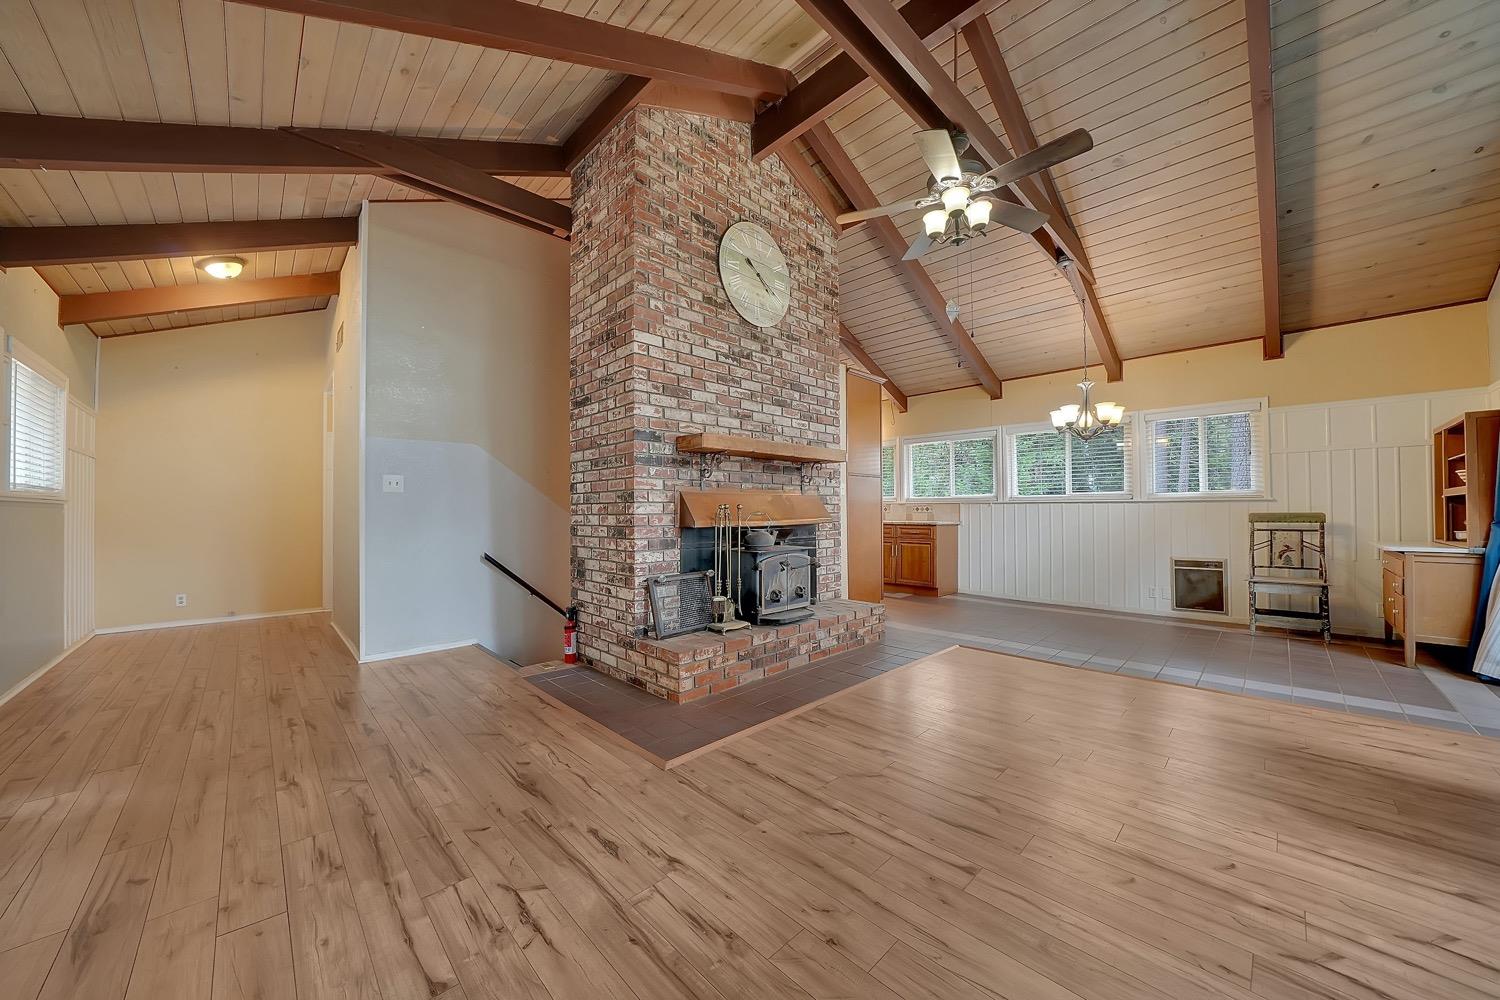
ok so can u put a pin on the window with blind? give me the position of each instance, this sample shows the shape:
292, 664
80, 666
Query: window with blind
35, 408
888, 471
1210, 452
1045, 463
951, 468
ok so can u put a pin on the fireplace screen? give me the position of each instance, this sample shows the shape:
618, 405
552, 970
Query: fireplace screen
679, 603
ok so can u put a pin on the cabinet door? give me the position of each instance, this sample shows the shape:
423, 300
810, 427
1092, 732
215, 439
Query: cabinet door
888, 554
914, 565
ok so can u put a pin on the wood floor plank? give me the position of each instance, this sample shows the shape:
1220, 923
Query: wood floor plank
26, 967
254, 962
175, 960
490, 964
99, 951
328, 944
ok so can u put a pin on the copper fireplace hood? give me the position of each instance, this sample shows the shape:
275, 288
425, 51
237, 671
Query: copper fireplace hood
697, 507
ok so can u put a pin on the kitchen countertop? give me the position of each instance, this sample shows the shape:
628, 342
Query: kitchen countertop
1446, 550
925, 521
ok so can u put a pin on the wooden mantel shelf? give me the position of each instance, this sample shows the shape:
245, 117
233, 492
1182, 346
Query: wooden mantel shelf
762, 448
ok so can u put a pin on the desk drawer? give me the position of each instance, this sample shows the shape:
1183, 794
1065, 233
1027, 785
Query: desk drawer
1393, 563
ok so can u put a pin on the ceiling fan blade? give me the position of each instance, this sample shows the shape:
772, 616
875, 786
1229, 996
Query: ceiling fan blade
1046, 155
920, 246
936, 147
894, 208
1017, 217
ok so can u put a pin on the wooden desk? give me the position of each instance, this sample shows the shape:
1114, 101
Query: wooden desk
1429, 594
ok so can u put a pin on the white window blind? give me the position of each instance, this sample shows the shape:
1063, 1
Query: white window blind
951, 468
1045, 463
1209, 452
888, 471
35, 429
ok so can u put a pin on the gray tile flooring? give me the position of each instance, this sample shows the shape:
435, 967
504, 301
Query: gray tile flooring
1366, 678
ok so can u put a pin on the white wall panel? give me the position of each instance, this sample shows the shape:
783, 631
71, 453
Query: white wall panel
1365, 463
78, 527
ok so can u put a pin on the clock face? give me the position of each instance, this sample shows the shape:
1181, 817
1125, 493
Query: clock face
754, 272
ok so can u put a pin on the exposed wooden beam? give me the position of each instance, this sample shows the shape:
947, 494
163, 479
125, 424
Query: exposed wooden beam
841, 79
96, 307
985, 48
517, 26
856, 349
885, 24
926, 290
448, 179
42, 246
48, 142
1258, 46
803, 173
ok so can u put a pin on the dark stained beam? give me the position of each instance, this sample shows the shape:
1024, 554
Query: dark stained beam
985, 48
96, 307
605, 116
857, 190
47, 142
42, 246
885, 24
517, 26
856, 350
808, 179
842, 78
1258, 46
418, 167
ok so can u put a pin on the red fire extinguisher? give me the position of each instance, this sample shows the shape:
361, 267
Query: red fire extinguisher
570, 637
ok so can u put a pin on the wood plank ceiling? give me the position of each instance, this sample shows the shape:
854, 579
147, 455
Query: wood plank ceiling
1388, 182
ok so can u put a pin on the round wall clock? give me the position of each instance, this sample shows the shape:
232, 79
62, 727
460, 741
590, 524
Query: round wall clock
754, 272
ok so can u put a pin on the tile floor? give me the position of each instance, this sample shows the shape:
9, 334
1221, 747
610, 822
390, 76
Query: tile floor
1366, 678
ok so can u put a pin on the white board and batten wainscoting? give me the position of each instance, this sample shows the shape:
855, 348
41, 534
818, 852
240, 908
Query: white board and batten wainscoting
1366, 463
78, 527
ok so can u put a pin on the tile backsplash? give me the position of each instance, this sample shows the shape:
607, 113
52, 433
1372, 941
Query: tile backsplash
922, 511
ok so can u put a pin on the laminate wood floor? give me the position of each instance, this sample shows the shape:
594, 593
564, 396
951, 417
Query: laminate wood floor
239, 811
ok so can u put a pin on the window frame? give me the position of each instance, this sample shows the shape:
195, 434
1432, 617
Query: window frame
903, 466
13, 350
1258, 409
1013, 431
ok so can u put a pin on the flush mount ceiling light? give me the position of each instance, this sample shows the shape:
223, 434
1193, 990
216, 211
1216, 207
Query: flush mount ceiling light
222, 267
1086, 420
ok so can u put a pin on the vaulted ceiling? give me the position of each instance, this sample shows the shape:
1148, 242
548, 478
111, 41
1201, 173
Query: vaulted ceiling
1382, 184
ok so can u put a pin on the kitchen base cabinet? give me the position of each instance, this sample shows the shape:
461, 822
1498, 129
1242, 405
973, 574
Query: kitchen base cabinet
921, 558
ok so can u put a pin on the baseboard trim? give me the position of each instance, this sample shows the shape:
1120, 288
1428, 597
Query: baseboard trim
353, 650
417, 650
35, 675
209, 621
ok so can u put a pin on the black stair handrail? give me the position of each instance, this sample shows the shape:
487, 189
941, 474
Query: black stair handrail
570, 612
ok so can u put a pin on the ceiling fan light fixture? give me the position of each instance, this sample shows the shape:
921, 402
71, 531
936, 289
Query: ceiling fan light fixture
222, 268
978, 214
935, 222
955, 199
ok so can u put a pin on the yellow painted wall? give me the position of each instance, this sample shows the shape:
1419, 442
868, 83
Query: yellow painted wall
1420, 352
210, 471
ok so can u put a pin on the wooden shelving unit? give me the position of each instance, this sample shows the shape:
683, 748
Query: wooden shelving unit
1463, 481
761, 448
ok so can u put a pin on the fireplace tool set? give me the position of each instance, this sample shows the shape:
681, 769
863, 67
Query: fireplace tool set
726, 559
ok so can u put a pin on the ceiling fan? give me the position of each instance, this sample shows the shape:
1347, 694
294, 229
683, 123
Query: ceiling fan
957, 211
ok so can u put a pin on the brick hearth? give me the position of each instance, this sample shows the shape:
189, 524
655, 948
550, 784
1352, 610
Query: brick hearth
657, 351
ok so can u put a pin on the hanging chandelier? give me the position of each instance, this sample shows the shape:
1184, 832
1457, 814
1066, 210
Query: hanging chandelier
1086, 420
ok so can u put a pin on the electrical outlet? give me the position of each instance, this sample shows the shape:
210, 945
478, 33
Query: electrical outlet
182, 600
393, 484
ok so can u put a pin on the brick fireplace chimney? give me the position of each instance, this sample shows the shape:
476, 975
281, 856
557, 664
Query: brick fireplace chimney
658, 351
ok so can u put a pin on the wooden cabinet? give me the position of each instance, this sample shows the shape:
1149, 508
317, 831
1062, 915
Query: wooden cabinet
922, 558
1429, 596
862, 500
1463, 478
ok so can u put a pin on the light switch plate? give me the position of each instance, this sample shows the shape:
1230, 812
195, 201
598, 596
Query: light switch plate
393, 484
